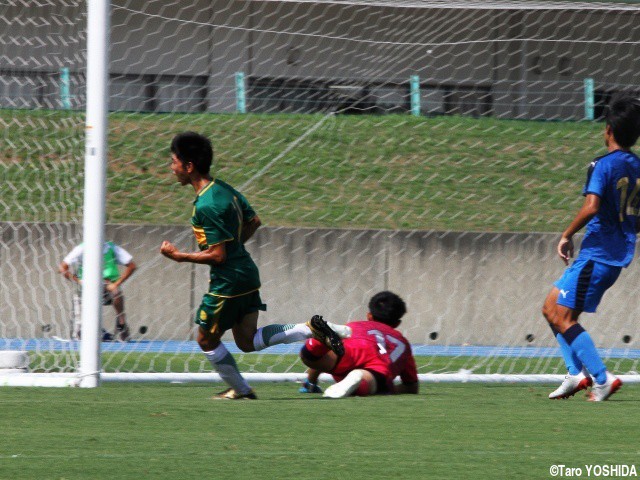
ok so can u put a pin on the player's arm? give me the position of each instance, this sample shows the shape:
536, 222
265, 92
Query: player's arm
407, 388
123, 258
313, 376
408, 375
310, 385
588, 210
67, 273
128, 271
249, 228
213, 255
72, 258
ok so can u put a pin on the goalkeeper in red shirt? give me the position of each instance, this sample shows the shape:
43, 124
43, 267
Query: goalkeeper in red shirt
374, 355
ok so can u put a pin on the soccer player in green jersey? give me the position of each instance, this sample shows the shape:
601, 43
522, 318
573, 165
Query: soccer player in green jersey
222, 222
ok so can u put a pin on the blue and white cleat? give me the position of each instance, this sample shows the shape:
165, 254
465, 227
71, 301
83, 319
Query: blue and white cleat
308, 387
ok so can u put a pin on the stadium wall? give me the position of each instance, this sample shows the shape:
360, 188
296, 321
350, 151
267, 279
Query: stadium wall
460, 287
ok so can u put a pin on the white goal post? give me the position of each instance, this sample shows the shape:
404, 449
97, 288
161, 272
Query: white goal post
98, 26
432, 148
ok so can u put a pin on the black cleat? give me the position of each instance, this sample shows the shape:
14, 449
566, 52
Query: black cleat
323, 332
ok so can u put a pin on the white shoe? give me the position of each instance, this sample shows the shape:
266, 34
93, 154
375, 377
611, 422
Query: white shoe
571, 385
346, 386
599, 393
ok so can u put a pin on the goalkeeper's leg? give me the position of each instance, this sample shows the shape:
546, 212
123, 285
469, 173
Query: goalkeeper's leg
350, 379
358, 382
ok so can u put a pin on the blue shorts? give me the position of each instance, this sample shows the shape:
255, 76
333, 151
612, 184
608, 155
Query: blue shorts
584, 283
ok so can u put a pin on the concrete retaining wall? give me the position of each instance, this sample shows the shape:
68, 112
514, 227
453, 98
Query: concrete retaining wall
460, 288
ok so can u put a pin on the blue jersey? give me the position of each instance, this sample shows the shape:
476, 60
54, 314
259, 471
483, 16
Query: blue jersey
611, 235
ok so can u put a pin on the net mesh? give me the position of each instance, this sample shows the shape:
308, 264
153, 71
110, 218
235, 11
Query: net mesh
427, 147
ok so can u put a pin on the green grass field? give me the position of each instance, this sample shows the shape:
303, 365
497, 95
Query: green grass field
394, 171
175, 431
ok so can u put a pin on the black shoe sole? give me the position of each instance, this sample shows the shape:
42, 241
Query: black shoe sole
328, 336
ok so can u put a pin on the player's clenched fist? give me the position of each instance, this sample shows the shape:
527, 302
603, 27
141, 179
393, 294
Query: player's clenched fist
168, 249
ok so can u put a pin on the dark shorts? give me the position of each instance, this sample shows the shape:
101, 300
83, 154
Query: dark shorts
384, 385
219, 314
584, 283
107, 296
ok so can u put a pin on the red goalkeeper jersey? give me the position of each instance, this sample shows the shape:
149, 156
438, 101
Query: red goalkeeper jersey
378, 347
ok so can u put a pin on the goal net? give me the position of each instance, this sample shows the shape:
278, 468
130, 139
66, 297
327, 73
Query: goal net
431, 148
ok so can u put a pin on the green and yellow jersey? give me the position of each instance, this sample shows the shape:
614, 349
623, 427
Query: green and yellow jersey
219, 212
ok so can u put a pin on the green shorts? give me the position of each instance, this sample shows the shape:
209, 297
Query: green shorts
219, 314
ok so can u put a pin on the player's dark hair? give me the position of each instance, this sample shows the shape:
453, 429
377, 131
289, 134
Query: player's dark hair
623, 116
387, 307
191, 147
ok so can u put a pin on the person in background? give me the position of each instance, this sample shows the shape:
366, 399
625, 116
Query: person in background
114, 256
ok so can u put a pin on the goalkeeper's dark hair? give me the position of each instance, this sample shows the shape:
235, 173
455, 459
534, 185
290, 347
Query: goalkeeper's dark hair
191, 147
387, 307
623, 116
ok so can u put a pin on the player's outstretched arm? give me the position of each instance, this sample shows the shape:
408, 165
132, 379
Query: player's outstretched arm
214, 255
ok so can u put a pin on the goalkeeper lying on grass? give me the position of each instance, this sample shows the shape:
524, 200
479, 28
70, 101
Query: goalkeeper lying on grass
374, 355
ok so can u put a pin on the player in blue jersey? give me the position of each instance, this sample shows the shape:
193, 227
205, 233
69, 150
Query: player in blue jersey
610, 213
